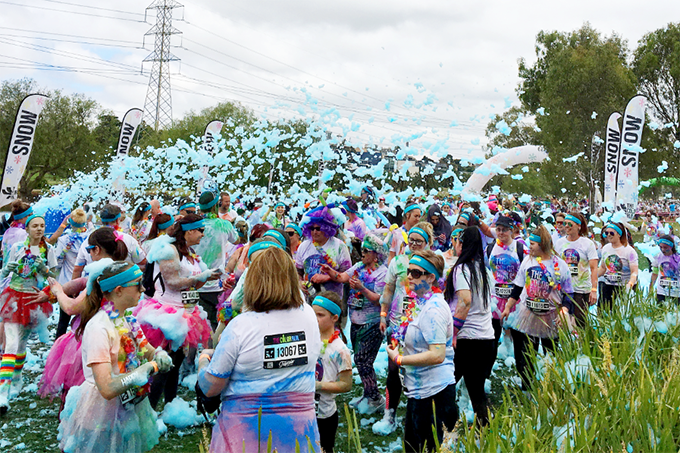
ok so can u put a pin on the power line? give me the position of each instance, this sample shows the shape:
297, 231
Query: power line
42, 38
42, 8
93, 7
67, 35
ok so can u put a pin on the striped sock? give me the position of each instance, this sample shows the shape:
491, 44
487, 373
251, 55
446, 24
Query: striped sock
7, 368
19, 363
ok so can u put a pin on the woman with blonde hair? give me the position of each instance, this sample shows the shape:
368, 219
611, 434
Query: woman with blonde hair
264, 365
544, 291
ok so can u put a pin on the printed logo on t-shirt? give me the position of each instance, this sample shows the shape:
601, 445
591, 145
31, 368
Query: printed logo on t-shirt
615, 267
285, 350
504, 267
312, 265
538, 290
572, 258
669, 276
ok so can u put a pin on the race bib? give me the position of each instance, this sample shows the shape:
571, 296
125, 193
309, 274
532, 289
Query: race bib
669, 283
614, 279
538, 306
503, 290
130, 398
357, 302
190, 298
285, 350
573, 269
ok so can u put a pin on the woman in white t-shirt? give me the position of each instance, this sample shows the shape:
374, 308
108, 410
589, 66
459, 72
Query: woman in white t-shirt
666, 271
619, 265
266, 359
580, 254
425, 351
468, 292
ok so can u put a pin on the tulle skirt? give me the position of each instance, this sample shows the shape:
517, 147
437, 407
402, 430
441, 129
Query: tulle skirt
15, 308
289, 417
63, 367
528, 322
172, 327
91, 424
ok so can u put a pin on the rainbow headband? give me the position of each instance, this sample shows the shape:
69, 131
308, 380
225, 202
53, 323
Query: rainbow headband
411, 208
276, 235
108, 284
166, 225
193, 225
572, 218
421, 232
187, 206
425, 264
262, 246
615, 228
327, 304
666, 242
535, 238
26, 213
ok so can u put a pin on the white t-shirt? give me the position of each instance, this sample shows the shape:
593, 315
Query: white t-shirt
135, 253
668, 268
577, 255
66, 250
331, 363
617, 262
432, 325
478, 322
268, 353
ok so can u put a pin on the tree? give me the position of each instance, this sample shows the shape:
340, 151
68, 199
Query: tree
656, 65
63, 139
579, 78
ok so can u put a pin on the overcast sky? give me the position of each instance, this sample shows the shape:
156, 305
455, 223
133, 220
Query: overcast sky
458, 60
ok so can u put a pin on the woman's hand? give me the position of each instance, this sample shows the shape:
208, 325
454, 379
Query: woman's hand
392, 352
593, 298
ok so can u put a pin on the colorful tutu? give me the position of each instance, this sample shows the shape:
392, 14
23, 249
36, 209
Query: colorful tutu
528, 322
289, 417
18, 309
90, 423
63, 367
172, 327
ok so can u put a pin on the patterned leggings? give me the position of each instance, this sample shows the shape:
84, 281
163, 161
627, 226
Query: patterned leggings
366, 341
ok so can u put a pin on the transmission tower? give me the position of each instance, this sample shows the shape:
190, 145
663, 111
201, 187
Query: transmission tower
158, 104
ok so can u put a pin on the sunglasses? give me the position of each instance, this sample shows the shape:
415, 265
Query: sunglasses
291, 233
502, 230
416, 241
611, 233
416, 273
569, 224
200, 230
190, 211
89, 248
559, 223
364, 250
315, 228
462, 224
138, 283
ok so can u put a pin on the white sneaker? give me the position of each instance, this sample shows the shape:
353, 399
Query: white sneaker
375, 405
15, 388
387, 425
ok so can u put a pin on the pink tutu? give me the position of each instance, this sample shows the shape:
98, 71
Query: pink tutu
63, 368
172, 327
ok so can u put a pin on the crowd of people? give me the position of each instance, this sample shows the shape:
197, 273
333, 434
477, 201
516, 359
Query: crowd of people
256, 303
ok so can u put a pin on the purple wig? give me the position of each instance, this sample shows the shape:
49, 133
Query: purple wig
325, 219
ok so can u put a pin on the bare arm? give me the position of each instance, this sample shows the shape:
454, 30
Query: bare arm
170, 272
342, 385
435, 355
110, 386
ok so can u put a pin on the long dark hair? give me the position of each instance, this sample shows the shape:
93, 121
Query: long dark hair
176, 232
139, 213
160, 219
93, 301
105, 238
472, 255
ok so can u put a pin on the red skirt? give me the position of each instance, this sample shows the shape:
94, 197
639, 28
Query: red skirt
18, 309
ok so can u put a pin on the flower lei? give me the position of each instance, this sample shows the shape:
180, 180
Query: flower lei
326, 259
359, 272
551, 282
412, 311
27, 264
501, 245
210, 215
138, 230
132, 341
333, 337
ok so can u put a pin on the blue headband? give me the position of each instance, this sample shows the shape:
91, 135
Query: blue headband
353, 211
421, 232
327, 304
210, 204
26, 213
75, 224
147, 208
535, 238
110, 219
262, 246
276, 235
457, 232
187, 206
193, 225
34, 216
124, 277
280, 203
411, 208
297, 229
667, 242
466, 216
615, 228
425, 264
166, 225
572, 218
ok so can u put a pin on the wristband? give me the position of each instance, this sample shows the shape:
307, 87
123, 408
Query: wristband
383, 314
458, 323
399, 359
593, 290
155, 366
204, 355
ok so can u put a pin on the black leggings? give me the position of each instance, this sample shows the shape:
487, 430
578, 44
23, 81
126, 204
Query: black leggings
420, 419
393, 385
526, 348
327, 429
64, 321
473, 361
166, 383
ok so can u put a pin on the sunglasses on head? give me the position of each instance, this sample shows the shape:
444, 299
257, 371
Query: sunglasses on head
416, 273
137, 283
315, 228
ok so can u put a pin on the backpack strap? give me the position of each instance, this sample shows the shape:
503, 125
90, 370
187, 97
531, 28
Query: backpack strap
489, 249
520, 251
